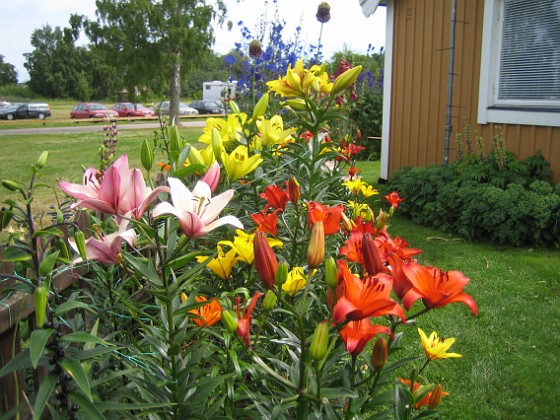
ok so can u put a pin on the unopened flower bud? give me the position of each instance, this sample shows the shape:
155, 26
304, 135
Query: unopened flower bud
183, 297
42, 161
212, 176
379, 353
6, 216
147, 155
269, 301
331, 275
435, 397
323, 12
345, 80
234, 107
260, 107
40, 296
316, 246
297, 104
372, 259
229, 321
319, 341
347, 224
10, 185
382, 220
265, 260
217, 144
282, 273
294, 192
255, 49
80, 240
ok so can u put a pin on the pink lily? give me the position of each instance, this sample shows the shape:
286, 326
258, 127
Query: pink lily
107, 248
197, 210
119, 190
212, 176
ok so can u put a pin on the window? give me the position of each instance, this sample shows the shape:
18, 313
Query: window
520, 63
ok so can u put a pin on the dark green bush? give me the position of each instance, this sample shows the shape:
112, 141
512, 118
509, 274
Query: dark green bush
476, 200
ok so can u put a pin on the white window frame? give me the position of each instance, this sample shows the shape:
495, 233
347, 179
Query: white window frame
489, 67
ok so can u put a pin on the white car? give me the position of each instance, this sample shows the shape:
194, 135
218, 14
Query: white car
163, 107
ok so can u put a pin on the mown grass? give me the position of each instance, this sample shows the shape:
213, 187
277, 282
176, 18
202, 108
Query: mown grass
511, 350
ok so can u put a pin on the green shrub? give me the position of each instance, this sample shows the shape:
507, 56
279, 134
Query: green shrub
476, 200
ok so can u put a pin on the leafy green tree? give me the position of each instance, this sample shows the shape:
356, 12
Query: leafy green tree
149, 41
8, 74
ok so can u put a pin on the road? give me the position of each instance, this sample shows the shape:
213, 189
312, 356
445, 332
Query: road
90, 128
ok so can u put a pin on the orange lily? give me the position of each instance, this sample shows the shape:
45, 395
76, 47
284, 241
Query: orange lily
330, 216
426, 399
207, 314
356, 334
275, 197
436, 288
358, 299
266, 222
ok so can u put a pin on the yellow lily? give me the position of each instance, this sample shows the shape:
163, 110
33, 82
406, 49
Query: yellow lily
272, 131
238, 163
222, 264
296, 280
243, 245
300, 82
436, 347
230, 130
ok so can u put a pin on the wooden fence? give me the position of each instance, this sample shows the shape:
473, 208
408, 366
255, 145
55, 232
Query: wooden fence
14, 308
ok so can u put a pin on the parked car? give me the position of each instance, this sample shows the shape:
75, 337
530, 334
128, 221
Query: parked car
163, 107
92, 110
25, 110
208, 107
128, 109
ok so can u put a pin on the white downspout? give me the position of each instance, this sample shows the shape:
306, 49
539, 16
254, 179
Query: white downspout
387, 85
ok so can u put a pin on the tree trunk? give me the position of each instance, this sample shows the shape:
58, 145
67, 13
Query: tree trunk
175, 94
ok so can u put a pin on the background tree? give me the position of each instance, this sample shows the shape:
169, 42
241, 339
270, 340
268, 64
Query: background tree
8, 74
154, 40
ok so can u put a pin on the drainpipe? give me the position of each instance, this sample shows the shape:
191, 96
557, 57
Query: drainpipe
450, 83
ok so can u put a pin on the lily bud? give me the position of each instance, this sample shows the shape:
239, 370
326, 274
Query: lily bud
382, 219
319, 341
372, 259
297, 104
40, 296
195, 158
265, 260
260, 107
217, 144
316, 246
331, 275
42, 161
294, 192
6, 216
347, 224
345, 80
212, 176
80, 239
282, 273
435, 397
234, 107
184, 297
379, 353
269, 301
10, 185
147, 156
229, 321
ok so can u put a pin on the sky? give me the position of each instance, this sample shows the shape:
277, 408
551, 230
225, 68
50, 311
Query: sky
348, 27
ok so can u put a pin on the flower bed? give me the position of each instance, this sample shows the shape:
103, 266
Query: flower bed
247, 281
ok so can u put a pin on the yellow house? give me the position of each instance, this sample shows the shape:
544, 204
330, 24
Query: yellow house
491, 62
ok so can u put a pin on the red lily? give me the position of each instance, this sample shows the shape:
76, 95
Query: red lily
266, 222
244, 323
394, 199
330, 216
401, 284
356, 334
352, 248
436, 288
275, 197
365, 298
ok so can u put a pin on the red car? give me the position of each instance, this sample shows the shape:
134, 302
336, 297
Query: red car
128, 109
92, 110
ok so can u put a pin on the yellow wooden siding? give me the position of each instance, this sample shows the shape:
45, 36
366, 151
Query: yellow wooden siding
419, 90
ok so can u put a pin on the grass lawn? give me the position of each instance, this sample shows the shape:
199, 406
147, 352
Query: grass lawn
511, 351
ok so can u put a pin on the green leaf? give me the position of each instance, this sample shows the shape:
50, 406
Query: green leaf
47, 263
22, 360
49, 232
47, 385
68, 306
110, 405
188, 170
74, 368
83, 337
89, 409
331, 393
144, 270
14, 254
38, 340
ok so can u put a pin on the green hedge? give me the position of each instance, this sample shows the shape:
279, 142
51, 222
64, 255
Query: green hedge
514, 205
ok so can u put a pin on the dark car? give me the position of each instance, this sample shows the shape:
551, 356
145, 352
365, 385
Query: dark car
92, 110
25, 110
128, 109
208, 107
